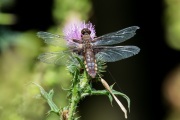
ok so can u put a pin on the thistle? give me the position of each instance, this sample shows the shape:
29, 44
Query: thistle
87, 58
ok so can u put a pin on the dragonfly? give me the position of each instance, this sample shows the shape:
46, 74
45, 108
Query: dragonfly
91, 49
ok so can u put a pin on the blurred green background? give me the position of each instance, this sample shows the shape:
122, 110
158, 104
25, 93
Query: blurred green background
150, 78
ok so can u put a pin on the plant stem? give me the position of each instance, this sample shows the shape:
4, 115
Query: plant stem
94, 92
73, 103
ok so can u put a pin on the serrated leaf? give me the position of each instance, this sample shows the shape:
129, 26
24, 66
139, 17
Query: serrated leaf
48, 97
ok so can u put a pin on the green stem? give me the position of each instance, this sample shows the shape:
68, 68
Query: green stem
93, 92
73, 103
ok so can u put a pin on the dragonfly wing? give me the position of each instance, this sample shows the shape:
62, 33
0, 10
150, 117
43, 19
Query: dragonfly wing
116, 37
112, 54
56, 58
55, 40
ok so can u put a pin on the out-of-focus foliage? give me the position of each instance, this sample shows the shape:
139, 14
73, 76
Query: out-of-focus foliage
171, 91
16, 72
19, 98
71, 9
6, 18
171, 88
6, 3
7, 39
172, 21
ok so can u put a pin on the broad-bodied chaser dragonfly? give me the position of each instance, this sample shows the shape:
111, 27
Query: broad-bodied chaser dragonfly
92, 49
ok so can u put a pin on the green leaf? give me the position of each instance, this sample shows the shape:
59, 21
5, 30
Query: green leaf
51, 93
77, 118
110, 98
123, 95
80, 61
48, 97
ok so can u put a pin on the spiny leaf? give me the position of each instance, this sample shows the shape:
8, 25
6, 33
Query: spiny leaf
80, 61
48, 97
101, 67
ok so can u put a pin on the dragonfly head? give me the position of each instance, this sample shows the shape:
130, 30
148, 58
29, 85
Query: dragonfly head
85, 31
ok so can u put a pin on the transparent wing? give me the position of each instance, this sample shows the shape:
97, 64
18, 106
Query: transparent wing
57, 58
55, 40
112, 54
116, 37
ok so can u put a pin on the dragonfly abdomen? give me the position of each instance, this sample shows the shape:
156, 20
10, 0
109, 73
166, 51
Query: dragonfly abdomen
90, 63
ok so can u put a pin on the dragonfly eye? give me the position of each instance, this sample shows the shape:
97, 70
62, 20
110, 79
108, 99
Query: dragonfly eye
85, 31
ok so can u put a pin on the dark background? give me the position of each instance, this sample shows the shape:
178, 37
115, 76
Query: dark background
141, 76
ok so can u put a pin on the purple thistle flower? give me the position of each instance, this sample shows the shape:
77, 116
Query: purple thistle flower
73, 30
